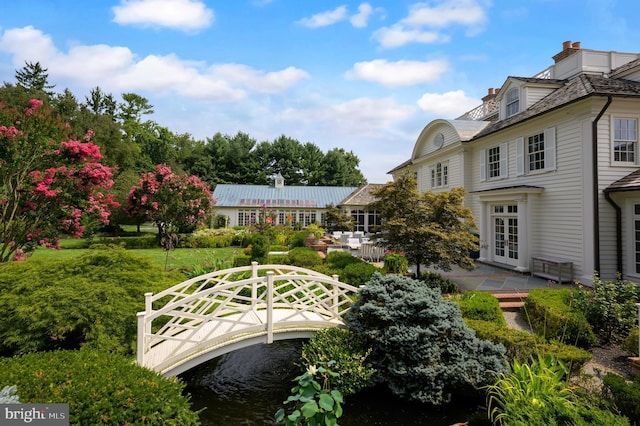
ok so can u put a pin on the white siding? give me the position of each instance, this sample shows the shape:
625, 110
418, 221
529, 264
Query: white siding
425, 144
607, 174
534, 94
556, 214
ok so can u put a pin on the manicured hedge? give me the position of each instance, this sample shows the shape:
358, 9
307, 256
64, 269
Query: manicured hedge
481, 305
522, 346
304, 257
100, 388
550, 313
209, 238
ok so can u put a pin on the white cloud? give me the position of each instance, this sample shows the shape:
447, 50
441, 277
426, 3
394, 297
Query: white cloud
325, 18
257, 80
397, 35
450, 12
357, 118
117, 69
360, 19
425, 22
185, 15
449, 104
400, 73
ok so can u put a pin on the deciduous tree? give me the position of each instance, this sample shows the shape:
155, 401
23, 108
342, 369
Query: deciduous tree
429, 228
174, 202
47, 187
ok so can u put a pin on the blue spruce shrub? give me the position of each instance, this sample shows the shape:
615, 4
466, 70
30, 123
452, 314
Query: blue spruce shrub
422, 348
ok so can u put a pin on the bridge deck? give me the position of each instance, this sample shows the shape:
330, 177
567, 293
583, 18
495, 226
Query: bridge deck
167, 352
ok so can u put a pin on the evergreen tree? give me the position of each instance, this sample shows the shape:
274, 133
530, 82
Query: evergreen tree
422, 348
34, 78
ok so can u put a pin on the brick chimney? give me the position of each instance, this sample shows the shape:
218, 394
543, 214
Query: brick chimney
568, 48
491, 93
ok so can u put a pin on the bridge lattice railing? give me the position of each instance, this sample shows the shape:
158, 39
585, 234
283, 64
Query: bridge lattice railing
228, 303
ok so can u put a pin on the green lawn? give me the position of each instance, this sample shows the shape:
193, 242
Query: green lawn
175, 259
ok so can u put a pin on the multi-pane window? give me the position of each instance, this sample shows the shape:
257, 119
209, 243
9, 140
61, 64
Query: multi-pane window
440, 175
493, 164
374, 220
535, 152
624, 140
512, 102
358, 219
247, 217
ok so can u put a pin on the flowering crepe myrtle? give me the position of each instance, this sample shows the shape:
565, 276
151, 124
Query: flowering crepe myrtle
50, 183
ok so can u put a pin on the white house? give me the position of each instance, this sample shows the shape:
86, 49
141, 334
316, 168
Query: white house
304, 205
550, 164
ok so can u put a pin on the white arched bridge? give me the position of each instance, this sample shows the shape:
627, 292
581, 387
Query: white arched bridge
222, 311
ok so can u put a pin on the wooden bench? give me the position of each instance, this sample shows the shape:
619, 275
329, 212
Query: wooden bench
558, 270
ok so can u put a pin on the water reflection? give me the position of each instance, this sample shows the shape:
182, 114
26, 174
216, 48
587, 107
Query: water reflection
246, 387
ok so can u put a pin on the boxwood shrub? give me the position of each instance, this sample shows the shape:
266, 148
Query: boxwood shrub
481, 305
101, 388
304, 257
88, 300
522, 346
350, 354
340, 259
550, 313
358, 273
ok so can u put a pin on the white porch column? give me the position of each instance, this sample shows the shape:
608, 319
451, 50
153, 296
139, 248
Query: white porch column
485, 231
523, 235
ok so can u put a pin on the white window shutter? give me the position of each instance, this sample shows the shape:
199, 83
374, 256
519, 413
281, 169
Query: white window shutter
504, 160
519, 156
550, 149
483, 165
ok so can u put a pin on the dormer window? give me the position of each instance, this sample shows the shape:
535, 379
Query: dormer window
512, 102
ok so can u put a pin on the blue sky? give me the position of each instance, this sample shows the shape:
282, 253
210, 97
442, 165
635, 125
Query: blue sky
363, 76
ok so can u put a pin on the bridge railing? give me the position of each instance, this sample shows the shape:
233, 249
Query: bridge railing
226, 305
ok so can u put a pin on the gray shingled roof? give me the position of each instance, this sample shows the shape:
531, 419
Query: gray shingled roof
362, 196
573, 89
232, 195
630, 182
623, 68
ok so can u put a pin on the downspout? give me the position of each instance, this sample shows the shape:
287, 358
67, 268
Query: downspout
618, 210
596, 204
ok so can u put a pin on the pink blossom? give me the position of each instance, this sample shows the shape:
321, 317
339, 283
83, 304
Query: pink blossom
20, 256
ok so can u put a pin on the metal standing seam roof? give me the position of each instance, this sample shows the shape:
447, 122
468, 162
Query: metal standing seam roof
234, 195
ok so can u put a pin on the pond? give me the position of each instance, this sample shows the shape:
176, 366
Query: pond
248, 386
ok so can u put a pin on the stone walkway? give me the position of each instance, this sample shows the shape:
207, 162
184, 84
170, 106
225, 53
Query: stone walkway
489, 277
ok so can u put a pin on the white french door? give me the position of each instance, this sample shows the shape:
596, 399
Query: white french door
505, 234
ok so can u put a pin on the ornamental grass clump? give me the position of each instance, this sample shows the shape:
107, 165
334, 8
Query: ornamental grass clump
421, 347
538, 393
